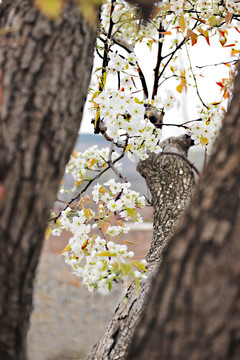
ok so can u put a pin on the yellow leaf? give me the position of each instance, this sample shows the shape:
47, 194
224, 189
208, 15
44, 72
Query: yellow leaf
203, 141
128, 147
212, 20
89, 9
95, 95
181, 22
137, 101
106, 253
97, 118
130, 242
93, 162
48, 232
77, 183
102, 190
74, 154
50, 8
150, 42
87, 213
67, 248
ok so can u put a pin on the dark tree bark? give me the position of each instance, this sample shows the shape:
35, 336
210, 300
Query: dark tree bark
46, 67
193, 310
171, 182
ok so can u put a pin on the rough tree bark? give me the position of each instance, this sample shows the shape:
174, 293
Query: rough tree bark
45, 69
193, 311
171, 182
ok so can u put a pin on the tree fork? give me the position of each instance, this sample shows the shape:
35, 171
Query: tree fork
171, 182
193, 311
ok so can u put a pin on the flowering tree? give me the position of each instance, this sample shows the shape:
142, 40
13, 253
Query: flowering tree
45, 68
131, 112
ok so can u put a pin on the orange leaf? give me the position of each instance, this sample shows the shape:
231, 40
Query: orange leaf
179, 88
205, 34
165, 32
234, 52
120, 223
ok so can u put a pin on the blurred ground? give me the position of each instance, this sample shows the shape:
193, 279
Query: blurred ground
68, 320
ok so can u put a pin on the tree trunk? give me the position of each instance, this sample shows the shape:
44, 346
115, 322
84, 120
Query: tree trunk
45, 67
171, 182
193, 311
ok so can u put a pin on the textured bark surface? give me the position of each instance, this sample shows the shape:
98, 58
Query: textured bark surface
45, 68
193, 311
171, 182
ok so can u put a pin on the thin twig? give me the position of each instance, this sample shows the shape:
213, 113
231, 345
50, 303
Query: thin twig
87, 186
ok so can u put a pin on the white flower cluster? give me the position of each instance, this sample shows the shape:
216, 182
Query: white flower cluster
205, 132
124, 116
91, 159
100, 261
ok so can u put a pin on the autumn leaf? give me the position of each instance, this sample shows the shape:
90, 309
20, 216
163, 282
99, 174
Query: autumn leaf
106, 253
205, 34
181, 22
48, 231
104, 226
128, 147
74, 154
52, 9
85, 245
192, 35
67, 248
120, 223
203, 141
87, 213
131, 213
228, 17
234, 52
179, 88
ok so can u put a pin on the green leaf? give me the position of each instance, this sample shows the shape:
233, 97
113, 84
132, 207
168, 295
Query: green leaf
126, 268
131, 213
139, 265
137, 282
